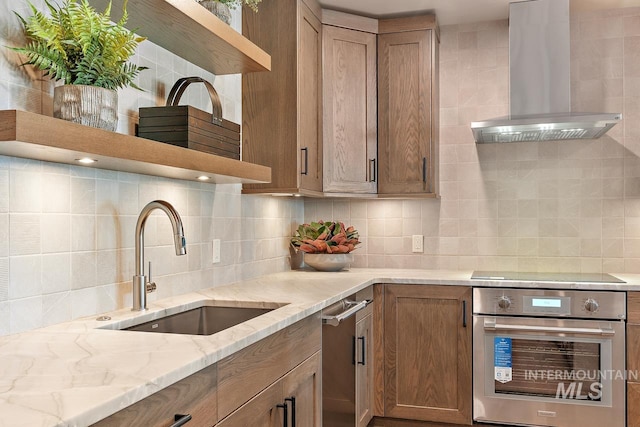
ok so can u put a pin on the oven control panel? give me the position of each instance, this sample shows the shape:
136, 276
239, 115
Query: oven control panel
549, 302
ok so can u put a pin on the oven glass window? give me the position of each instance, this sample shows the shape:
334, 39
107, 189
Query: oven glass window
555, 369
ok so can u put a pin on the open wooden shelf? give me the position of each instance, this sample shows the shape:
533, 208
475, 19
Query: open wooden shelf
193, 33
39, 137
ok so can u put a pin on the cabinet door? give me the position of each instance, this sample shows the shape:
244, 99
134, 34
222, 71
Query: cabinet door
350, 110
309, 98
364, 371
405, 66
261, 411
427, 353
303, 394
633, 404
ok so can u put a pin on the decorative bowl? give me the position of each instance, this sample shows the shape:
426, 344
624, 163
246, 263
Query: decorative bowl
328, 262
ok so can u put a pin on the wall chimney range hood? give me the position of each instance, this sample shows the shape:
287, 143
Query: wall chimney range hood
540, 85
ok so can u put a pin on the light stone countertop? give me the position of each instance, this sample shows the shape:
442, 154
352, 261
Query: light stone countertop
75, 374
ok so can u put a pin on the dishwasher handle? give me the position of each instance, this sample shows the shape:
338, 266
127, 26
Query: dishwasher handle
354, 307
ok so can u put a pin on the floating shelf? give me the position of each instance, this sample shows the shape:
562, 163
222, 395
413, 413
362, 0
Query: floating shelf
39, 137
193, 33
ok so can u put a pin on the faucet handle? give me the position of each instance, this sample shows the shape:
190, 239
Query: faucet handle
150, 285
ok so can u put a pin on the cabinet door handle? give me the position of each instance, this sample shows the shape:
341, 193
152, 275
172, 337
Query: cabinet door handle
372, 170
180, 420
305, 171
292, 399
363, 349
464, 313
424, 170
284, 406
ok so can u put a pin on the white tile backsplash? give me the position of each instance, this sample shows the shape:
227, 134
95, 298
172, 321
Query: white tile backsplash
25, 276
55, 233
24, 234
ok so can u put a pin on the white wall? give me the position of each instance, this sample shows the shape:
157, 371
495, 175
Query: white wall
553, 206
67, 232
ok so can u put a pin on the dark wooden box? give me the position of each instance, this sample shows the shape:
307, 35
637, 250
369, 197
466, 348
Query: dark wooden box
189, 127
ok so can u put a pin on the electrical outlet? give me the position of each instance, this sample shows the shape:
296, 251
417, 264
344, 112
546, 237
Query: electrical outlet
417, 243
216, 251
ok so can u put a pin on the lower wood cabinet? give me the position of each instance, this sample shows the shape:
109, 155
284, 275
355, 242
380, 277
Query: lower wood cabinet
426, 353
294, 400
633, 358
248, 388
633, 404
364, 371
195, 395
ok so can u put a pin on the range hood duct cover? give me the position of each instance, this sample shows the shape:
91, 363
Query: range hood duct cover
540, 81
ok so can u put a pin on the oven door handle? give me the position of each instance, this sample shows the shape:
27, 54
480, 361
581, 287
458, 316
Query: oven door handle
337, 319
493, 326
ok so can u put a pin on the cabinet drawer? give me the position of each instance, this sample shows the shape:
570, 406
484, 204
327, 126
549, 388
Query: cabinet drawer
249, 371
194, 395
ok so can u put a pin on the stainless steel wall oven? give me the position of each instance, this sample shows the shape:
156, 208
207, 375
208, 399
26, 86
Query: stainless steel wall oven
549, 357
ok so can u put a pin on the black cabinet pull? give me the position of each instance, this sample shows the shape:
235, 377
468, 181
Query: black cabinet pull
363, 348
292, 399
353, 350
464, 313
180, 420
306, 161
424, 170
284, 406
372, 170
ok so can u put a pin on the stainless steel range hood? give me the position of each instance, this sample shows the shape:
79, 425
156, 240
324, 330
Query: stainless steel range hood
540, 85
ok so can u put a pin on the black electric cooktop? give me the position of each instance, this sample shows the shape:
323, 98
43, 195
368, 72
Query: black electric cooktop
546, 277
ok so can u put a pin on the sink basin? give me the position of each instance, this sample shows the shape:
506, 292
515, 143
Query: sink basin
206, 320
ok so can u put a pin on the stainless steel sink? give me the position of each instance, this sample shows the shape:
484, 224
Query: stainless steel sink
206, 320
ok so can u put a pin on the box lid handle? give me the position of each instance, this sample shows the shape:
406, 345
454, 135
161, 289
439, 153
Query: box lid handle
181, 85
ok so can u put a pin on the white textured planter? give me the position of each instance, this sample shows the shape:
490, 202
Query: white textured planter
221, 10
88, 105
328, 262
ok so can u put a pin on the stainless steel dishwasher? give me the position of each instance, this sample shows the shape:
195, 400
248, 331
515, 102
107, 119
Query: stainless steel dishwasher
347, 353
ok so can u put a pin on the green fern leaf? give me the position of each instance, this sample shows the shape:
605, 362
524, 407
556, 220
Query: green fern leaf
78, 45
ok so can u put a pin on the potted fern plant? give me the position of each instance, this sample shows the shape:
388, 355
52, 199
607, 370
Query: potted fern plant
88, 53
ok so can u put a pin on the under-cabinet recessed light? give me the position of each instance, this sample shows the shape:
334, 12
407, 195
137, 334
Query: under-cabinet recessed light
203, 178
86, 160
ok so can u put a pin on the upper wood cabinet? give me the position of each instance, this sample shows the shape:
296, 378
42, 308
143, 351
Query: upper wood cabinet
350, 111
282, 110
427, 353
408, 106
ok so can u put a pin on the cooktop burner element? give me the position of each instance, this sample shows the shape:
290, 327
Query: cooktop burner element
546, 277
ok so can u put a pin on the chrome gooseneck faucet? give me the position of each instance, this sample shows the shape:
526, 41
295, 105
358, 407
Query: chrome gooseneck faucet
140, 283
